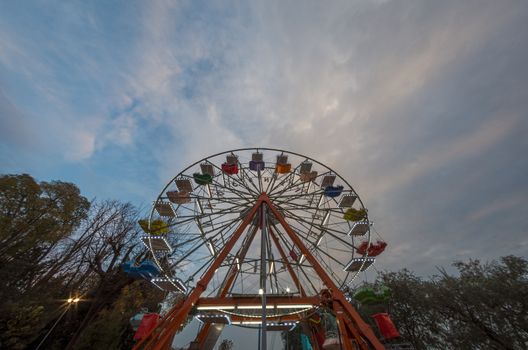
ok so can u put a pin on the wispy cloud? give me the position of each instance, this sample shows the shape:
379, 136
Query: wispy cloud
419, 105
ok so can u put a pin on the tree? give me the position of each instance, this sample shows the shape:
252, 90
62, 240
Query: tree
116, 233
34, 219
54, 244
484, 306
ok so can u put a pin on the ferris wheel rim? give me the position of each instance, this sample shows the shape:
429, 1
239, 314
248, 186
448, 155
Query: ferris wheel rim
257, 149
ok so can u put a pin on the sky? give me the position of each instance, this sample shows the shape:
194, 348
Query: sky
420, 105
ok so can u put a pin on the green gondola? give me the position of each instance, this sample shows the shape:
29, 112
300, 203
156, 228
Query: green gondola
202, 179
368, 295
157, 227
355, 214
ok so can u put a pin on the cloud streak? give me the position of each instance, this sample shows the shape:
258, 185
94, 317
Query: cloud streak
420, 105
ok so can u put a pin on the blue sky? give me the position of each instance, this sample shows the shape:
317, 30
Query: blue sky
420, 104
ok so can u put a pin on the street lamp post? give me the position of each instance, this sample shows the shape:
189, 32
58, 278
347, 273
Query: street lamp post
70, 302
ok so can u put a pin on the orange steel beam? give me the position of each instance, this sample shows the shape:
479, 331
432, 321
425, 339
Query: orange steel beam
284, 318
344, 339
165, 336
234, 269
346, 325
363, 328
228, 282
255, 300
287, 263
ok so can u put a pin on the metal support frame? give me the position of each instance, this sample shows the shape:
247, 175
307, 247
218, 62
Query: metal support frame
228, 282
263, 276
364, 333
353, 329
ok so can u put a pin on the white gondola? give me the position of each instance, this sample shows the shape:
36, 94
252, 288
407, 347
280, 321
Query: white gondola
207, 168
179, 197
347, 201
164, 209
169, 284
282, 159
157, 243
214, 318
359, 228
328, 180
306, 167
257, 157
184, 185
307, 177
232, 159
359, 264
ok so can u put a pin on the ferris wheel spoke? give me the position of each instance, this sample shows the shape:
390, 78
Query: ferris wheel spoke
322, 253
221, 200
202, 243
272, 264
218, 184
200, 269
234, 189
248, 176
226, 223
191, 251
325, 229
288, 177
187, 218
237, 180
299, 182
285, 188
299, 195
272, 180
325, 216
186, 255
299, 206
315, 246
213, 235
212, 216
227, 227
184, 243
298, 264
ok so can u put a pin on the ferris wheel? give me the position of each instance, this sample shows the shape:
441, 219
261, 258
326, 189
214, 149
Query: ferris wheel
258, 224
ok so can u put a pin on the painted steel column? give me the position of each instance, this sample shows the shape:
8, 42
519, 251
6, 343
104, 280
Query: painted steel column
164, 337
263, 274
336, 293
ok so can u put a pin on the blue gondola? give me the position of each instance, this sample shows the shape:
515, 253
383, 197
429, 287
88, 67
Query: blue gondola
147, 269
333, 191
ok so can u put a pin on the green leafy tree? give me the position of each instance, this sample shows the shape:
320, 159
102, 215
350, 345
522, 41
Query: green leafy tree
483, 306
34, 219
54, 244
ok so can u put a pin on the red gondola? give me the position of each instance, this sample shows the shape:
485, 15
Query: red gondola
148, 322
386, 327
362, 249
377, 248
230, 169
374, 249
